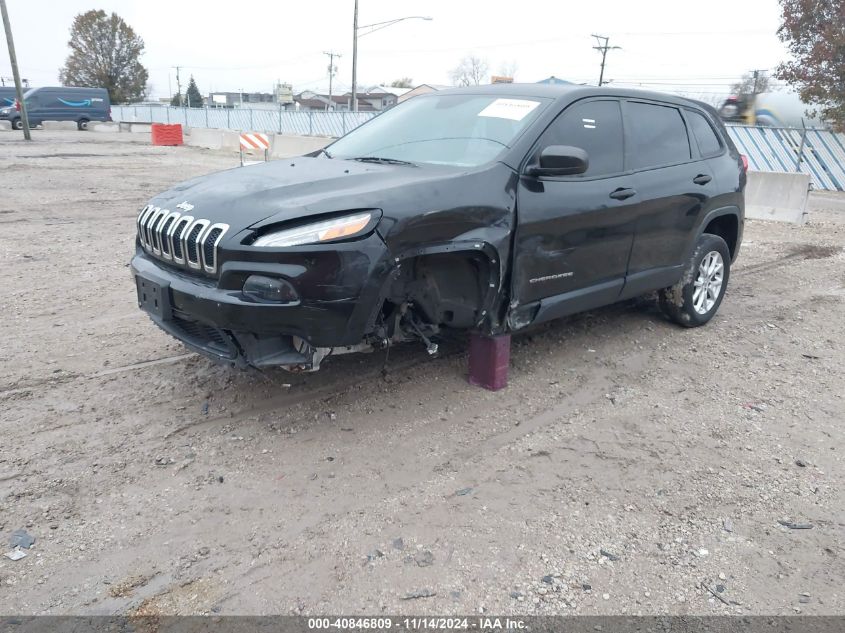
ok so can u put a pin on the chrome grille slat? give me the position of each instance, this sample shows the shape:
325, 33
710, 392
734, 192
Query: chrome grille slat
174, 235
210, 239
165, 245
142, 225
152, 223
180, 239
192, 241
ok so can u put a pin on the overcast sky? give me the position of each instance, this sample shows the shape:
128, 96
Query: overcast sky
695, 47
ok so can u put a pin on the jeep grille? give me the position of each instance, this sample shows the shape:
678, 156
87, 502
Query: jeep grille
182, 240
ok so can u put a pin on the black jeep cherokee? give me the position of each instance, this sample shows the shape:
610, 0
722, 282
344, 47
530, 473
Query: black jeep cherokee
486, 209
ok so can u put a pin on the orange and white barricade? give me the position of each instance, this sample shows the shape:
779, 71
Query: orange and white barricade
254, 141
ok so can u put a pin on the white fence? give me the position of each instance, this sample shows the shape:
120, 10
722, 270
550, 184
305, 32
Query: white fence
246, 119
819, 153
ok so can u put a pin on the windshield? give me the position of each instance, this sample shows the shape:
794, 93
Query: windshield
460, 130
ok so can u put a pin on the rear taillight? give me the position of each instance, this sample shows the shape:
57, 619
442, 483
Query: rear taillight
744, 162
17, 105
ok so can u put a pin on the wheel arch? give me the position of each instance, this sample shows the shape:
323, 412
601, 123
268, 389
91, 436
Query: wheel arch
725, 222
445, 270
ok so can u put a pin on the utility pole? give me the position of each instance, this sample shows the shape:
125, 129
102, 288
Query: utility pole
178, 84
758, 74
355, 60
332, 71
603, 47
13, 59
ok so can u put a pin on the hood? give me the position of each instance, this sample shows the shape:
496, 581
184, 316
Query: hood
291, 188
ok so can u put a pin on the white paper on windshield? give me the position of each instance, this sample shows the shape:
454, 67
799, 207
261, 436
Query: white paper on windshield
513, 109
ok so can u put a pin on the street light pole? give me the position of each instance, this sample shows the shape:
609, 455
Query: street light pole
354, 104
355, 29
13, 59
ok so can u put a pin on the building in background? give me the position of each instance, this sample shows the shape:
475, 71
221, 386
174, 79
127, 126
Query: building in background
241, 99
554, 81
370, 99
422, 89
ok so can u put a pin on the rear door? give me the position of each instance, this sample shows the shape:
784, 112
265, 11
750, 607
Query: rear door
574, 233
675, 184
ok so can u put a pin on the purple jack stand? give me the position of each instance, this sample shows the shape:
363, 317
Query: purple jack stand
489, 358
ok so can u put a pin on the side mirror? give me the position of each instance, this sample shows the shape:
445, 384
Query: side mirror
561, 160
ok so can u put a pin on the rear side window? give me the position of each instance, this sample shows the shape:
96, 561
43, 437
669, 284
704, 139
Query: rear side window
658, 135
708, 142
595, 127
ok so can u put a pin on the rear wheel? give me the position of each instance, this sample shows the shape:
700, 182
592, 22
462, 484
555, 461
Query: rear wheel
697, 296
17, 124
82, 124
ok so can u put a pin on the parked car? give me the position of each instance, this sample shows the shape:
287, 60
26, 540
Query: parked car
487, 209
80, 105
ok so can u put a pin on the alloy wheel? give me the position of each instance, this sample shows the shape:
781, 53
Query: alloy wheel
708, 283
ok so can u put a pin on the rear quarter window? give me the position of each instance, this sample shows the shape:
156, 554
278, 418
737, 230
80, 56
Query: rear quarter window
705, 136
657, 134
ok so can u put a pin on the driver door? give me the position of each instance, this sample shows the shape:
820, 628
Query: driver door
574, 233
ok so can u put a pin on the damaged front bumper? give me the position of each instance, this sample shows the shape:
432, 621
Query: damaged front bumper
339, 292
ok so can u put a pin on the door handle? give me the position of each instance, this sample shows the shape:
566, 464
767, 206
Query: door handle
622, 193
702, 179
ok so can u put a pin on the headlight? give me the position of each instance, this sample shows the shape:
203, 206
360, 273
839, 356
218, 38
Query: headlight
326, 231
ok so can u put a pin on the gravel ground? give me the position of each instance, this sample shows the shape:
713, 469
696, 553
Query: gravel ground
630, 467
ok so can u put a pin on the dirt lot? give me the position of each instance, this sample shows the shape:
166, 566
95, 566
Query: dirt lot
157, 482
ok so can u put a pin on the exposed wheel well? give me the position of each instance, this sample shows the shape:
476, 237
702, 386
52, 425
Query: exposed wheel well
726, 227
445, 289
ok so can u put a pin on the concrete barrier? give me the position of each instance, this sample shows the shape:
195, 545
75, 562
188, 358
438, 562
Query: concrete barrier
5, 126
140, 128
59, 125
285, 145
103, 126
213, 139
777, 196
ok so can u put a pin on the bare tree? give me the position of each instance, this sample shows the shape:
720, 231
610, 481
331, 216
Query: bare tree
749, 84
508, 69
471, 71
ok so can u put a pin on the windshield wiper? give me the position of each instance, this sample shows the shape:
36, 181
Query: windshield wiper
383, 160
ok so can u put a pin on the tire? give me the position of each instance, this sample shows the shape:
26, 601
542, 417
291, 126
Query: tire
697, 296
17, 124
82, 124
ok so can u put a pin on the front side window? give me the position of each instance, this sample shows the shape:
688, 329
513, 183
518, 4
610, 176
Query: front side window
657, 134
708, 142
458, 130
595, 127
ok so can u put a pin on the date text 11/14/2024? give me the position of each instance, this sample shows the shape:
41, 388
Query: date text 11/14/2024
418, 623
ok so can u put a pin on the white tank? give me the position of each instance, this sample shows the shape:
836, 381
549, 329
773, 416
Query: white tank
782, 109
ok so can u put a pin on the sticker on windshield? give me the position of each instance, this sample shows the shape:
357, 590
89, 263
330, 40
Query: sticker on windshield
513, 109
